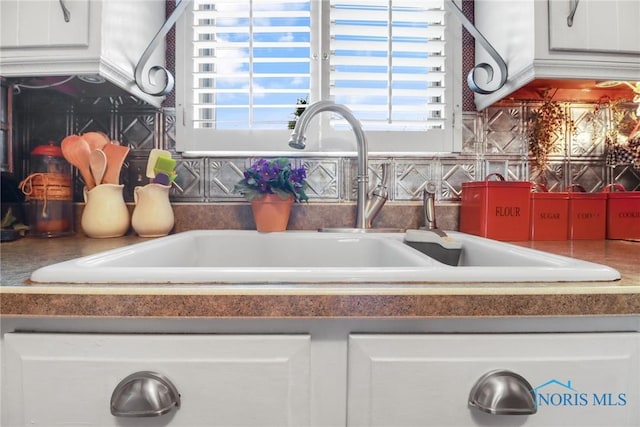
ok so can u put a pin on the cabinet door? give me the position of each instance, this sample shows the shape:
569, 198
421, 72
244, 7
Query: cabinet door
598, 26
223, 380
425, 380
41, 23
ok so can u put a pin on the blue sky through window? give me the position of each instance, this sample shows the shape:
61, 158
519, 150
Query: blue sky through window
379, 61
261, 63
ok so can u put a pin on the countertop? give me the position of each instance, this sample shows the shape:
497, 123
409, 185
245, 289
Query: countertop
427, 300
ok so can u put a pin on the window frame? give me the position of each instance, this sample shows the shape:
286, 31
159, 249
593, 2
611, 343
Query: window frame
336, 143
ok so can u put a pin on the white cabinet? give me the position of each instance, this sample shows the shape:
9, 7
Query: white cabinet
223, 380
29, 24
102, 37
536, 42
425, 380
597, 26
320, 373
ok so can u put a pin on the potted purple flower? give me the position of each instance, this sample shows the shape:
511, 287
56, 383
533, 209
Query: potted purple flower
272, 186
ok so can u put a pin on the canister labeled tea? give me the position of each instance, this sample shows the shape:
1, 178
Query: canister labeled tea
49, 193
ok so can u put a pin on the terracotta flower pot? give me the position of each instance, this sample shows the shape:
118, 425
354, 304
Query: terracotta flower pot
271, 213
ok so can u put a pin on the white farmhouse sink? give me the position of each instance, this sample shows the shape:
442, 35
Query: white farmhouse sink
239, 256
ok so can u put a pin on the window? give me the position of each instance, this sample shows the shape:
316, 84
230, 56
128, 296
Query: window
243, 65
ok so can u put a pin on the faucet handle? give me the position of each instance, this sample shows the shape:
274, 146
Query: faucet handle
383, 182
375, 202
377, 197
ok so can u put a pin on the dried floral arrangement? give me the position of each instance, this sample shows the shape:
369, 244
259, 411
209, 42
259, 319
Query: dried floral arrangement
622, 120
543, 124
622, 136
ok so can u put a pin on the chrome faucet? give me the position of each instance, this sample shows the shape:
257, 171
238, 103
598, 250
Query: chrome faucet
367, 207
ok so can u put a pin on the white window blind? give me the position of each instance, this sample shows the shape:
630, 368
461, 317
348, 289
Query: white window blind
388, 62
243, 64
250, 62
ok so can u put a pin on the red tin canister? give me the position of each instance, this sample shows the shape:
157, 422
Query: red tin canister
623, 212
587, 214
549, 215
496, 209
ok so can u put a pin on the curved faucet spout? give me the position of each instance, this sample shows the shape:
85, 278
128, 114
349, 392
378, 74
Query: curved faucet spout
297, 140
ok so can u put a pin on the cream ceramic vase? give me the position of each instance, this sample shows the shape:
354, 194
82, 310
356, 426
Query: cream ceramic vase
152, 215
105, 213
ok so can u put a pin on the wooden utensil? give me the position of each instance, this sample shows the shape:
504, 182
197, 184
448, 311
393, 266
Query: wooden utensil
98, 164
96, 139
77, 152
115, 158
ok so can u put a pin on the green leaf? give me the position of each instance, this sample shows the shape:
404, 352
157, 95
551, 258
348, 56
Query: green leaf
8, 220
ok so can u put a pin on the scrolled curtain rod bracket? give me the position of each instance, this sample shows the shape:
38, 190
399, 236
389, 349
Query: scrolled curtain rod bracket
150, 85
487, 68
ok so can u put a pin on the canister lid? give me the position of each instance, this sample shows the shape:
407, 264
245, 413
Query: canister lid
47, 150
550, 195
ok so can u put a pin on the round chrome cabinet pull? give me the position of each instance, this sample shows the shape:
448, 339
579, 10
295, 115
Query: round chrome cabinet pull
144, 394
503, 392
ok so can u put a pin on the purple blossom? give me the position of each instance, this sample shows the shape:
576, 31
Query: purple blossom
273, 176
298, 175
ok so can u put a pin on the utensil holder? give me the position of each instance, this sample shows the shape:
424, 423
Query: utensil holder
152, 215
105, 213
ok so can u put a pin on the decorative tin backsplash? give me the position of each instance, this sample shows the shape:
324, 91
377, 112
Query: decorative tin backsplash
493, 141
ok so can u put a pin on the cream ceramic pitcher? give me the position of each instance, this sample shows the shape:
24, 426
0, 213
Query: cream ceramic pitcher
105, 213
152, 215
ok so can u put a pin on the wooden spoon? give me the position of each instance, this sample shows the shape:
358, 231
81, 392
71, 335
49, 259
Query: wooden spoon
96, 139
77, 152
115, 158
98, 164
